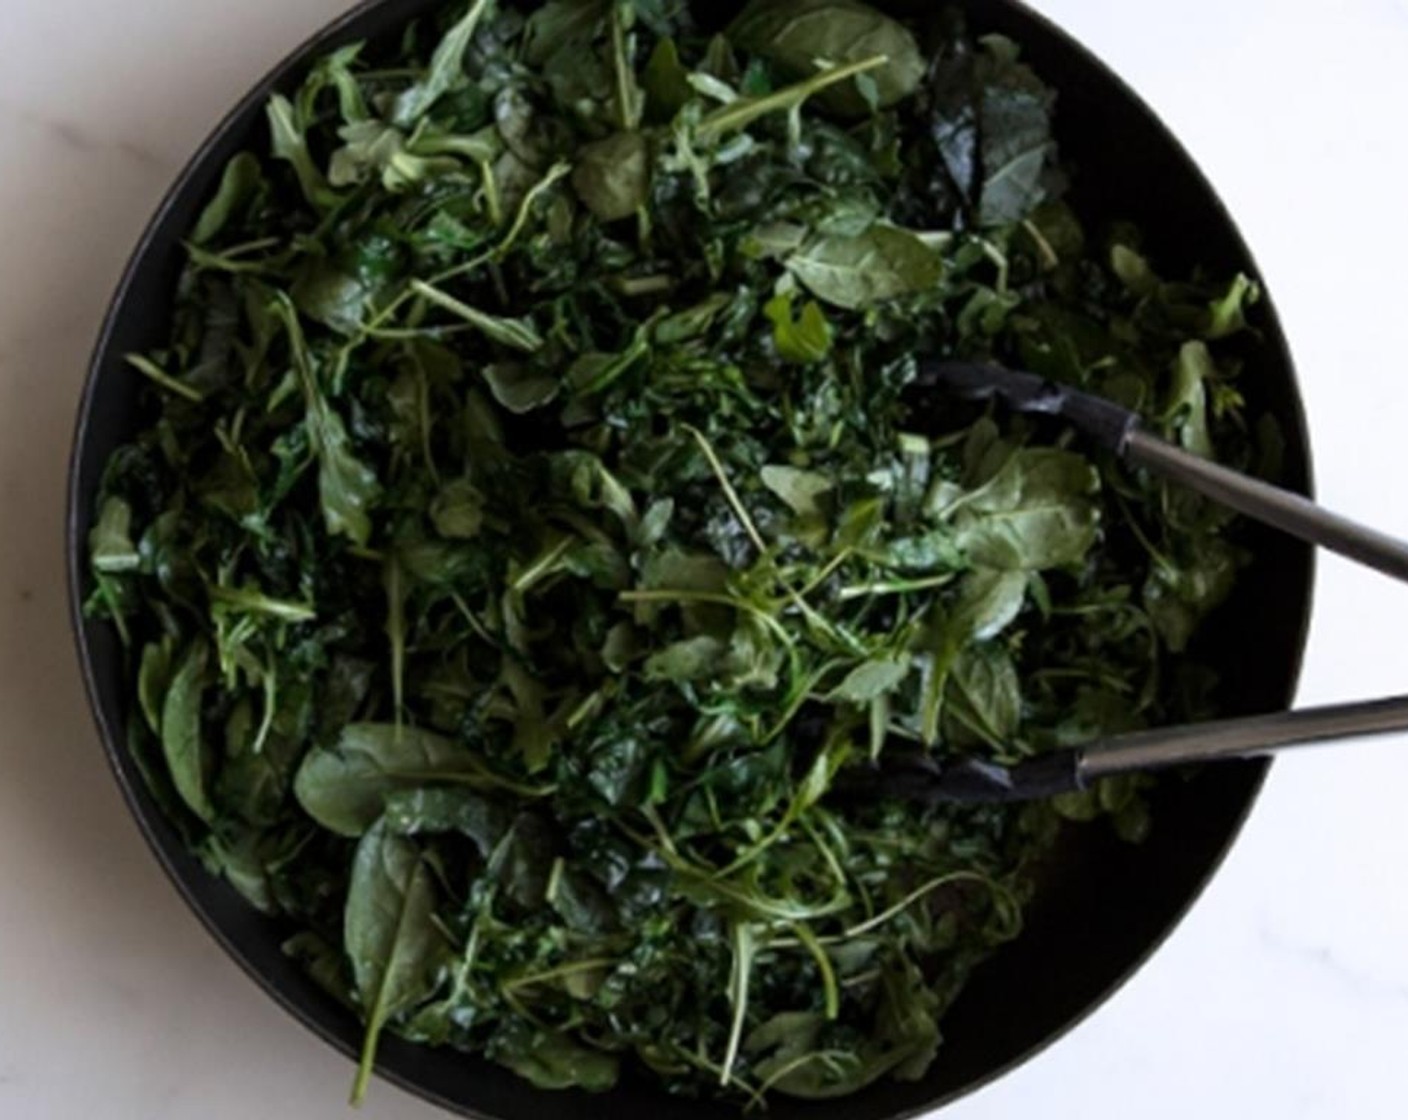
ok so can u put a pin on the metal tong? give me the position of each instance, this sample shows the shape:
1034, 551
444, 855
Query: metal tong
1120, 431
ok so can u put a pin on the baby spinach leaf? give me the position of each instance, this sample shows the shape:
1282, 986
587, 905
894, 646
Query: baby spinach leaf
858, 272
989, 601
552, 1060
428, 811
520, 388
1036, 513
666, 83
563, 25
458, 510
693, 659
154, 681
612, 176
392, 940
991, 124
182, 739
796, 33
331, 297
345, 787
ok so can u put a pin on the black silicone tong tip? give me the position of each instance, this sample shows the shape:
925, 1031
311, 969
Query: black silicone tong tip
1109, 424
966, 781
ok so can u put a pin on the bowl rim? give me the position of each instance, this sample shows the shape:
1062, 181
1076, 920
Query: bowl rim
113, 737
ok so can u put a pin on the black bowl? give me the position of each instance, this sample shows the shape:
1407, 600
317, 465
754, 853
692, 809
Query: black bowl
1105, 905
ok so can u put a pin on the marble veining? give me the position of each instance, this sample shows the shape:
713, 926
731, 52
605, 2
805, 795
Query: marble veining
1362, 982
1284, 994
73, 134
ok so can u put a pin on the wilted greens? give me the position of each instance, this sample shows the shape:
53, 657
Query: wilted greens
533, 522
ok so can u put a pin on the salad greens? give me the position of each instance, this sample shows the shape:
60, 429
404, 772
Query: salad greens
532, 523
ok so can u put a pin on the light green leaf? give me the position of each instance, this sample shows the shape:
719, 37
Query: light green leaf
520, 388
872, 680
289, 143
182, 740
110, 540
446, 68
693, 659
612, 176
804, 338
242, 179
801, 490
1037, 513
458, 510
855, 273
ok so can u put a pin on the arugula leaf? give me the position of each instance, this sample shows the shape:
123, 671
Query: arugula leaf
516, 334
347, 487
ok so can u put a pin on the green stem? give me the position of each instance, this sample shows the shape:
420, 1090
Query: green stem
743, 112
154, 372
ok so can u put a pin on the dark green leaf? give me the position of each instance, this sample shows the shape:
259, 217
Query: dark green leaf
392, 941
796, 33
345, 787
551, 1060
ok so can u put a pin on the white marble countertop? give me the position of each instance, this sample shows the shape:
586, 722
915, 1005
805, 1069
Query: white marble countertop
1286, 992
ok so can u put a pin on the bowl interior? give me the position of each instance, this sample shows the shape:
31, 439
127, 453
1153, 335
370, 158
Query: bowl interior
1105, 905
